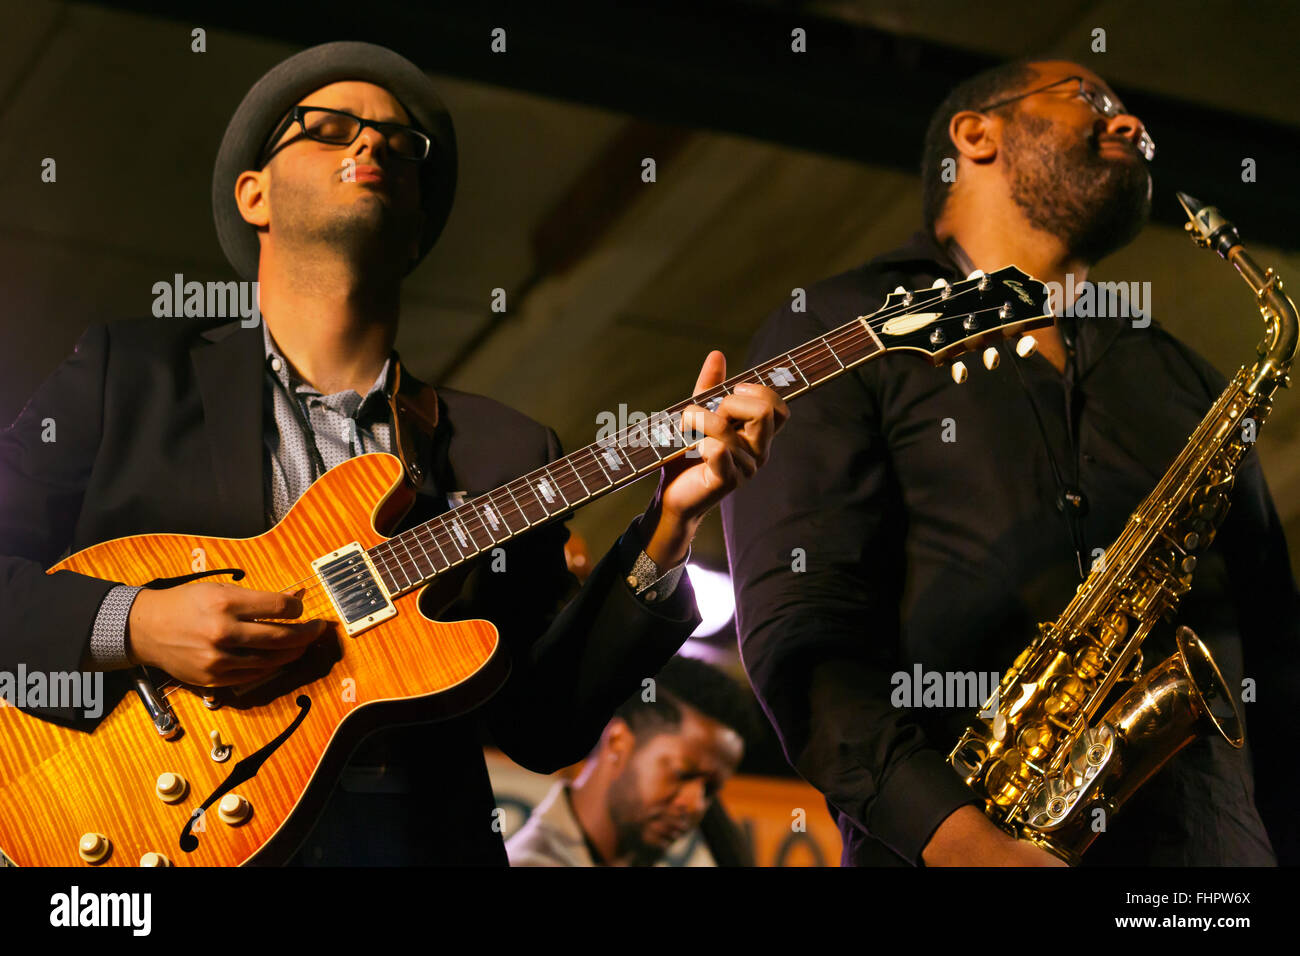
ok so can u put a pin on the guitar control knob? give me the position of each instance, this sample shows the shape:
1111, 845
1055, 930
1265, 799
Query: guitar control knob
234, 809
154, 859
171, 787
1027, 346
959, 373
94, 847
220, 752
991, 358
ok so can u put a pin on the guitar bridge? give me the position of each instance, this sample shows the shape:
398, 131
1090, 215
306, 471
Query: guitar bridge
354, 588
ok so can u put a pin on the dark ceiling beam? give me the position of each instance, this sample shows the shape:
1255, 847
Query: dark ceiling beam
860, 93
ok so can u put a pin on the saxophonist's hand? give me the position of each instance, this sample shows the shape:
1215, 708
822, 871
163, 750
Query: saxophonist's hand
968, 838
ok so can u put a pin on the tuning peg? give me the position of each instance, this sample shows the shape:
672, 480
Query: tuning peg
944, 285
907, 296
976, 274
959, 372
899, 288
1026, 346
991, 358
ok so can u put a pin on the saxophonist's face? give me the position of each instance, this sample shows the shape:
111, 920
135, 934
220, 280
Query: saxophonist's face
1074, 171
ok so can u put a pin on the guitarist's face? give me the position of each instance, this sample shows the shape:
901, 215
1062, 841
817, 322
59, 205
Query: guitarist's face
361, 199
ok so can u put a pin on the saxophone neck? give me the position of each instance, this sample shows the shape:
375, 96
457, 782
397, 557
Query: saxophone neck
1209, 229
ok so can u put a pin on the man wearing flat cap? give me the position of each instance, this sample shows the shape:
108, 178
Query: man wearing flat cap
333, 181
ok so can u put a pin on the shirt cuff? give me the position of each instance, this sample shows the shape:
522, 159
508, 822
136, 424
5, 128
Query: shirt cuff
108, 637
915, 798
650, 582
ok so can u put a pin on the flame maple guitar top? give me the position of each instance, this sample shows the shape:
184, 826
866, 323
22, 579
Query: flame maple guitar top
57, 783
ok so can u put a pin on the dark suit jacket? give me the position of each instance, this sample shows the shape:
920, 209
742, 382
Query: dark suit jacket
158, 428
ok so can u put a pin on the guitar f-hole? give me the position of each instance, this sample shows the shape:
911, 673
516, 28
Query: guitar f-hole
246, 769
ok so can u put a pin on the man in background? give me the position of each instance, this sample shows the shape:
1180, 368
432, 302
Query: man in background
652, 779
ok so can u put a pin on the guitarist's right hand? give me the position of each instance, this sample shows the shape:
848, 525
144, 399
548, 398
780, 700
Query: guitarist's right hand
212, 634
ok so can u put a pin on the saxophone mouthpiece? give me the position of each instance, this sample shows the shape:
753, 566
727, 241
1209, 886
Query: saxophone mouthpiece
1208, 227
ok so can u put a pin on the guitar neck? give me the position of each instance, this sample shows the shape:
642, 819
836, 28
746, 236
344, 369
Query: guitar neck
412, 558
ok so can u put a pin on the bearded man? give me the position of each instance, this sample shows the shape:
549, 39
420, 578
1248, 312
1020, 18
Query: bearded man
907, 520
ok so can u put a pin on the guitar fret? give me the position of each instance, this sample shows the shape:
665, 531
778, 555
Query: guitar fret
614, 458
583, 462
596, 458
637, 450
401, 564
528, 522
529, 483
494, 516
468, 517
454, 538
565, 462
434, 538
424, 575
547, 491
832, 351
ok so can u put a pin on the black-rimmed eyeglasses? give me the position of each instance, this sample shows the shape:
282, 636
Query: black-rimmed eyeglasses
1095, 98
342, 129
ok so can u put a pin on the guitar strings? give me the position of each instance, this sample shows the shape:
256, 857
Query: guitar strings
852, 334
316, 602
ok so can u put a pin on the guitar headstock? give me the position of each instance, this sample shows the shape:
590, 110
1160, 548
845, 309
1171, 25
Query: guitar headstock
950, 319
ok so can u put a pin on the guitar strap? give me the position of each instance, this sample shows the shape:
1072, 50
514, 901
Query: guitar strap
414, 410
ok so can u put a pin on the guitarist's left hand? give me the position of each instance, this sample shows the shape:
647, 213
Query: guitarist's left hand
738, 439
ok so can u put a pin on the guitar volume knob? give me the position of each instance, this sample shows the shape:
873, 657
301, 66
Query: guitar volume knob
94, 847
234, 809
171, 787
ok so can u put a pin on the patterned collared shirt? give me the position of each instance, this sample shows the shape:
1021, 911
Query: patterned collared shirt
343, 425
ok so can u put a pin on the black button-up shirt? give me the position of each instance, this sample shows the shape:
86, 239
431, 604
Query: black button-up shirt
906, 520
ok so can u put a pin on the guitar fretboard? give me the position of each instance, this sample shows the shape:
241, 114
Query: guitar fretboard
412, 558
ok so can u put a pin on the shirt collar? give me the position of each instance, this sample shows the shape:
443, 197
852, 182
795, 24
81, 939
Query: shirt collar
375, 400
921, 246
560, 824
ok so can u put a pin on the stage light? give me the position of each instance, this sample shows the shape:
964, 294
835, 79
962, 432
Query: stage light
714, 597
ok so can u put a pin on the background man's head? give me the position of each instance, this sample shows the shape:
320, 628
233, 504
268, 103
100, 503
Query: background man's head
1069, 170
662, 761
359, 201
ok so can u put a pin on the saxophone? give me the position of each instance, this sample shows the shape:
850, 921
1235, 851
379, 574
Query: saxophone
1046, 770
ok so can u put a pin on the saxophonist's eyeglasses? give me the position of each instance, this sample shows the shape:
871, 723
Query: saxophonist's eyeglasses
1095, 98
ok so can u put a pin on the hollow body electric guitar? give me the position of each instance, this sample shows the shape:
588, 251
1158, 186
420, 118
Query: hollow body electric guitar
182, 775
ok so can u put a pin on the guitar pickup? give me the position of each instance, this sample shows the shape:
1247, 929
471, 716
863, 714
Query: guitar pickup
354, 588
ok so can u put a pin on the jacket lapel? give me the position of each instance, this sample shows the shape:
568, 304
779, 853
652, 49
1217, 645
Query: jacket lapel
228, 368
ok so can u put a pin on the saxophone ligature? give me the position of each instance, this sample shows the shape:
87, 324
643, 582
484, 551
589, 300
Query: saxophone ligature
1046, 769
